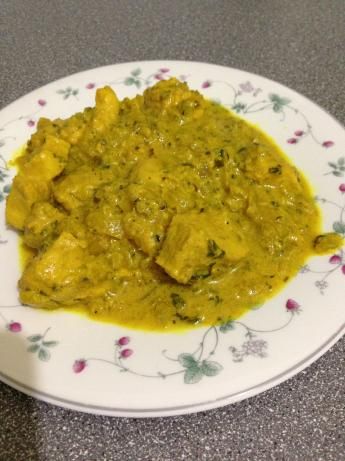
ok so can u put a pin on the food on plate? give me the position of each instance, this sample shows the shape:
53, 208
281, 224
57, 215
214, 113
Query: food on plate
159, 212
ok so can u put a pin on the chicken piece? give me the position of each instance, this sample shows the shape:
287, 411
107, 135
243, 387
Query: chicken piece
32, 184
59, 266
327, 243
62, 275
141, 231
147, 171
106, 109
76, 188
24, 193
39, 226
58, 146
105, 221
195, 242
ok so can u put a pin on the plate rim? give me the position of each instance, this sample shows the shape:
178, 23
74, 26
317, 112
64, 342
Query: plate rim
173, 61
182, 409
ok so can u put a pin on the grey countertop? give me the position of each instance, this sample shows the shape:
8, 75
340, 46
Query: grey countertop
298, 43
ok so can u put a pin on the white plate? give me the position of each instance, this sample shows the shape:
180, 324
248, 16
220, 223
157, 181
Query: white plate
77, 363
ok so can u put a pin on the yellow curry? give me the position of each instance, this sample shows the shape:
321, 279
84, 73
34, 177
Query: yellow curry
159, 212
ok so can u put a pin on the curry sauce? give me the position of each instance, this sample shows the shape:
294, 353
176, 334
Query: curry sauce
159, 212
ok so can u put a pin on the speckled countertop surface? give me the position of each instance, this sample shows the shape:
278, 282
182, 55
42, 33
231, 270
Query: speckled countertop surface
299, 43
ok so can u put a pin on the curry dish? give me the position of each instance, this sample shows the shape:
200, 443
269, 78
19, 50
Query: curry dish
159, 212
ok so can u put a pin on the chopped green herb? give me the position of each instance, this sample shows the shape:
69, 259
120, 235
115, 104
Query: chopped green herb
221, 156
219, 163
177, 300
203, 273
216, 298
275, 170
213, 250
187, 319
241, 150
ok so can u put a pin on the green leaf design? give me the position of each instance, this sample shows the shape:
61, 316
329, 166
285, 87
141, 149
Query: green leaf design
50, 343
278, 99
210, 368
187, 361
227, 326
341, 161
339, 227
239, 107
332, 165
129, 81
33, 348
34, 338
7, 189
193, 375
44, 354
137, 83
278, 102
136, 72
337, 173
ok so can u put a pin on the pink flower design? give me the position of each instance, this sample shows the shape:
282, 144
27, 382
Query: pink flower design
123, 341
292, 141
299, 133
14, 327
126, 353
335, 259
90, 86
31, 123
343, 269
292, 306
342, 188
247, 87
206, 84
158, 76
42, 102
79, 365
164, 70
328, 144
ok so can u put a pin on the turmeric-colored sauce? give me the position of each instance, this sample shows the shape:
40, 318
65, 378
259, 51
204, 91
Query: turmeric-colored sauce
159, 212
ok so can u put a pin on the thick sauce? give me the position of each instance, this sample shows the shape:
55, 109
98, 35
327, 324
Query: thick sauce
159, 212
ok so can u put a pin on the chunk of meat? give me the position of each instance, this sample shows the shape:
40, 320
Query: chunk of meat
61, 275
195, 242
40, 224
77, 187
326, 243
106, 109
32, 184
